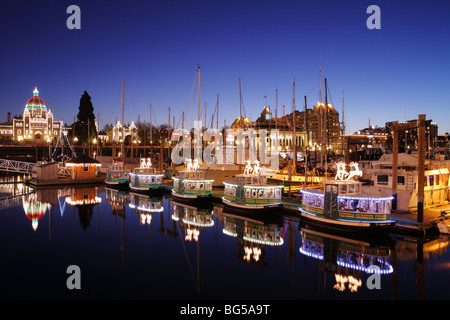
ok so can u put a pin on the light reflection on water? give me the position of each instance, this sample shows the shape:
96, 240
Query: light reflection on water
132, 246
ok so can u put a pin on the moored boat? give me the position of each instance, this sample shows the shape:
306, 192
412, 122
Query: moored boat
117, 174
379, 174
251, 192
145, 178
341, 205
190, 184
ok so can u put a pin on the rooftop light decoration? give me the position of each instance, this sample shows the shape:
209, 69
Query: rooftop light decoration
248, 168
256, 169
192, 165
344, 175
146, 163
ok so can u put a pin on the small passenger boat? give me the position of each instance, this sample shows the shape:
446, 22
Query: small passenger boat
191, 185
251, 192
342, 206
117, 174
145, 178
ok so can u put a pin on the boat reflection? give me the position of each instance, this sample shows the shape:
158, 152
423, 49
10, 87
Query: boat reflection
349, 259
253, 234
117, 199
145, 206
192, 219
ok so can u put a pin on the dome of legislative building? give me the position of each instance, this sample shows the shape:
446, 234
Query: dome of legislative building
35, 102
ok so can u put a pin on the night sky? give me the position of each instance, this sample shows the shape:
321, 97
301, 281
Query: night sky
387, 74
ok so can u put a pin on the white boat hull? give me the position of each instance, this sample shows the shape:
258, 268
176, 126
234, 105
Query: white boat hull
249, 206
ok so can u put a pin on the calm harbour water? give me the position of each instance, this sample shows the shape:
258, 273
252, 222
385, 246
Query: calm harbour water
131, 247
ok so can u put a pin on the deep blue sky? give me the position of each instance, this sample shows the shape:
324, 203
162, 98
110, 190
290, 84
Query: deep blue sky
394, 73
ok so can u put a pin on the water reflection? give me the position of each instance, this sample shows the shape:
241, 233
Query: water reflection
145, 206
192, 219
117, 200
12, 187
253, 234
34, 209
349, 259
84, 198
273, 245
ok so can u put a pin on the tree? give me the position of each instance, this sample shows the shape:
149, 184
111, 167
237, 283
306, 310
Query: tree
85, 118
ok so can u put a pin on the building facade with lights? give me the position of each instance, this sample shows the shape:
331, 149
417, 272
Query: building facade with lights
316, 126
35, 124
117, 133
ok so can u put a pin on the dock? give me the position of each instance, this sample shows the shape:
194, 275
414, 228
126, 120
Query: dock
66, 181
406, 222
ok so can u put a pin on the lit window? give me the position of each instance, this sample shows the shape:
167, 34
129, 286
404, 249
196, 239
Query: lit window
383, 180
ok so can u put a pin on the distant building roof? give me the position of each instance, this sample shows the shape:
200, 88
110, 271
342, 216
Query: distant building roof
35, 101
241, 122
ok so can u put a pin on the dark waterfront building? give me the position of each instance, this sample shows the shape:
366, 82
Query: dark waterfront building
408, 139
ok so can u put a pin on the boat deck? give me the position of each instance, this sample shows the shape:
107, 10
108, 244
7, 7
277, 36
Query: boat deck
405, 221
408, 220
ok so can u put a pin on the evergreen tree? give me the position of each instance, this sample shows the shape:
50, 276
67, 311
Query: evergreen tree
85, 118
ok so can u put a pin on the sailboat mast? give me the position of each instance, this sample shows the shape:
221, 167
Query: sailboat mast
217, 116
276, 109
198, 71
320, 80
294, 138
122, 147
240, 100
343, 129
306, 143
151, 129
326, 128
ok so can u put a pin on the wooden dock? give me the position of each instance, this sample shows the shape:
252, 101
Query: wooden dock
406, 223
67, 181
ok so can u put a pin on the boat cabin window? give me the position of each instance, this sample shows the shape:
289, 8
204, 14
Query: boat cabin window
431, 181
401, 180
351, 188
383, 180
344, 189
436, 179
331, 188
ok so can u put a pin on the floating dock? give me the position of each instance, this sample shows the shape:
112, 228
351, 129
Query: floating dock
405, 222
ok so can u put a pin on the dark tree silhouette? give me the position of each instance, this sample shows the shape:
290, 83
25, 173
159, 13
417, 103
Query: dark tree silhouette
85, 118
